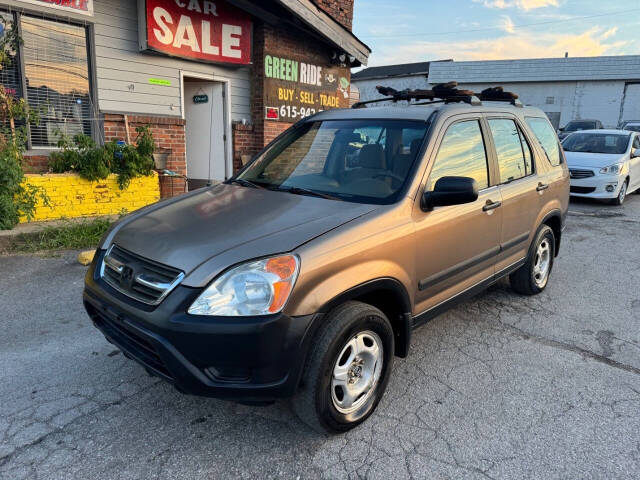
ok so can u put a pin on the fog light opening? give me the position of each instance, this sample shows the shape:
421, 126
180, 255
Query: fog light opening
610, 188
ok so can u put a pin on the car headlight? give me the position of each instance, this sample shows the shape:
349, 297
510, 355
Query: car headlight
259, 287
612, 169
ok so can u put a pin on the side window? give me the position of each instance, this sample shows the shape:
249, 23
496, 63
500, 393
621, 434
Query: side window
547, 137
462, 154
514, 156
636, 142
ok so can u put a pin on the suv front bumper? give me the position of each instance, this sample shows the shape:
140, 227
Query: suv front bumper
247, 359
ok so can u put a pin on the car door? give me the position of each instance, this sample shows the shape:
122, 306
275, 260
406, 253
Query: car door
634, 170
456, 246
518, 184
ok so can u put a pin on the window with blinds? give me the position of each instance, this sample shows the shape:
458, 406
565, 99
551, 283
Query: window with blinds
56, 70
10, 73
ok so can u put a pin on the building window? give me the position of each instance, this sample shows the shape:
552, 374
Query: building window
54, 75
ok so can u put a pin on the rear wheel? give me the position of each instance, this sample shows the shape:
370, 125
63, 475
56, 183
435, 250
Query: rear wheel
347, 370
533, 276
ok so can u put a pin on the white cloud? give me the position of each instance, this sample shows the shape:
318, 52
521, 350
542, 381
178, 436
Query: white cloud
521, 4
524, 44
507, 24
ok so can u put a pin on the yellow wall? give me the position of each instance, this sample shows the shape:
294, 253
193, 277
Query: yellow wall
71, 196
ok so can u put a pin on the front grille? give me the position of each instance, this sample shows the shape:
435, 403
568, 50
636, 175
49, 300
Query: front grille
137, 277
575, 173
130, 342
583, 190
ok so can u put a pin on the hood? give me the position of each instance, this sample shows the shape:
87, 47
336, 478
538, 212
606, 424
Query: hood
251, 222
593, 160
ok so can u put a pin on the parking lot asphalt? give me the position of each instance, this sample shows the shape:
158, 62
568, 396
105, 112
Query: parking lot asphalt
503, 386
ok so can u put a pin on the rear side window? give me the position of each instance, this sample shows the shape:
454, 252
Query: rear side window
462, 154
514, 156
547, 137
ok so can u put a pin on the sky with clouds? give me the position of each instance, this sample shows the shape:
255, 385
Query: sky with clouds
408, 31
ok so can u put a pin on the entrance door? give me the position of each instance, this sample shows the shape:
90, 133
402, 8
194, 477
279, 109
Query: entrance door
204, 115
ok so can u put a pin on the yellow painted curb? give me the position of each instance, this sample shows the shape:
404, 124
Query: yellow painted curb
85, 258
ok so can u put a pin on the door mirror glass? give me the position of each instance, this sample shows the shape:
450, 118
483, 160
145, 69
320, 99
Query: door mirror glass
450, 191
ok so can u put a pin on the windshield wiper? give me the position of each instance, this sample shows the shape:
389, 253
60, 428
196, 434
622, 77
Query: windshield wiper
305, 191
245, 183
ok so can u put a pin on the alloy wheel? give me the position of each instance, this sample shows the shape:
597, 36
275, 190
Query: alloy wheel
542, 263
357, 371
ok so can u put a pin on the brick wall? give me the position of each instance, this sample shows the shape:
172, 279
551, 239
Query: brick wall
71, 196
35, 164
169, 135
285, 43
340, 10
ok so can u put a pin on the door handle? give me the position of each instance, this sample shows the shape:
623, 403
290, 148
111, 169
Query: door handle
491, 206
541, 186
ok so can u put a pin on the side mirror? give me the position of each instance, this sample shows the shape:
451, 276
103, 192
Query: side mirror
635, 152
450, 191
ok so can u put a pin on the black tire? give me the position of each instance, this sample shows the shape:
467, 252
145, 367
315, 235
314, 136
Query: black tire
313, 403
524, 279
619, 200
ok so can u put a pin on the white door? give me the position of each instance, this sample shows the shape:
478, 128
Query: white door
205, 132
631, 106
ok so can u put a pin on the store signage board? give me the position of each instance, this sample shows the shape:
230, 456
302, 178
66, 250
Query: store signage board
295, 88
84, 7
201, 30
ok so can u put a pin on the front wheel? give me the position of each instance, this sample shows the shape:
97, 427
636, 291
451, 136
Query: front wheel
533, 276
347, 370
619, 200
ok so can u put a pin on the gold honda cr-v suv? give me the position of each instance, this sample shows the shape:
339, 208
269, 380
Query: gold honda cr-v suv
305, 274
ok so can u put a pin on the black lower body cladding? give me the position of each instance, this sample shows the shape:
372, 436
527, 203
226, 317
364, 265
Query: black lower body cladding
249, 359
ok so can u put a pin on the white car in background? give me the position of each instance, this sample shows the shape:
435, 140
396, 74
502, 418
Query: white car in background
632, 126
603, 164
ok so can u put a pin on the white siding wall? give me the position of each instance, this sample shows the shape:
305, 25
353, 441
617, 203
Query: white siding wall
541, 83
595, 100
119, 65
368, 87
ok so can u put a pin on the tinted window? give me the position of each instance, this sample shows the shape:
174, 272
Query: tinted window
461, 154
353, 160
546, 135
636, 142
514, 157
596, 143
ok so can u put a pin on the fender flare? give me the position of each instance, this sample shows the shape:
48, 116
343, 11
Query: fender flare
402, 326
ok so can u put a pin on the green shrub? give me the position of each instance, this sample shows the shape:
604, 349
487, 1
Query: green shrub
16, 199
92, 162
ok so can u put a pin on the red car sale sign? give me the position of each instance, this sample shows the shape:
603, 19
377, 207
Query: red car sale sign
84, 7
211, 31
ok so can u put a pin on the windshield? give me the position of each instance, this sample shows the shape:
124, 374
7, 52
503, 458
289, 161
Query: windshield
575, 126
363, 161
596, 143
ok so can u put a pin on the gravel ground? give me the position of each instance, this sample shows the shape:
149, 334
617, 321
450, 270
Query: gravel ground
501, 387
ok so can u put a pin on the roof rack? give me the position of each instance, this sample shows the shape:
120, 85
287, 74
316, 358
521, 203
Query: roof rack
443, 93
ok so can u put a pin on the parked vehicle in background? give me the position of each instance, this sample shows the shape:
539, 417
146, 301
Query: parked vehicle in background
304, 275
630, 125
577, 126
603, 164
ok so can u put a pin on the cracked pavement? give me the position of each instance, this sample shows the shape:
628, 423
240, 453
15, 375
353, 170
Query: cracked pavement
502, 386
